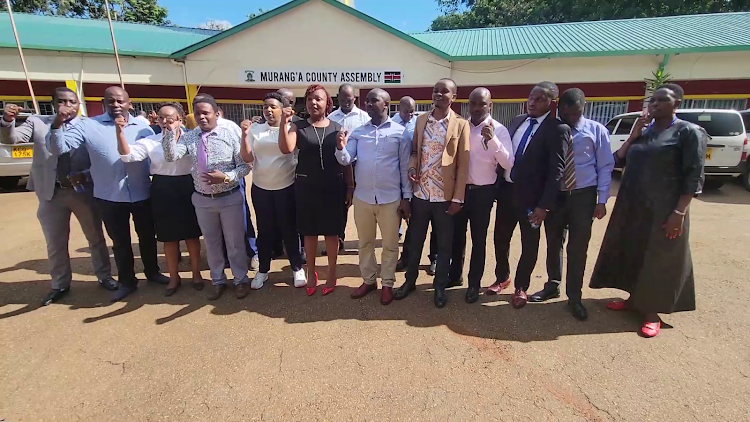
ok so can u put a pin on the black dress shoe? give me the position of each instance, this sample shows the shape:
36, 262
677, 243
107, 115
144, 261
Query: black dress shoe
109, 283
122, 291
433, 268
157, 278
440, 298
547, 293
578, 310
404, 291
172, 290
54, 295
472, 294
456, 283
218, 290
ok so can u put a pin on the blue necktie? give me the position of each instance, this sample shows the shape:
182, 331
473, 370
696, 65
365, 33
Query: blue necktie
522, 146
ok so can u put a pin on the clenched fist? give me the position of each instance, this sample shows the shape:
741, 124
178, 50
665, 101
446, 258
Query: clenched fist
286, 114
246, 125
120, 123
341, 139
64, 113
10, 112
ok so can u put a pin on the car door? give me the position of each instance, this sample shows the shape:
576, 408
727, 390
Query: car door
727, 135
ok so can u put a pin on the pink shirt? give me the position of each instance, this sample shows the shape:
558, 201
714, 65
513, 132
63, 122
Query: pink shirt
482, 163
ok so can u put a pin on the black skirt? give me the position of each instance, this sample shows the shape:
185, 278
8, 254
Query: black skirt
320, 204
174, 214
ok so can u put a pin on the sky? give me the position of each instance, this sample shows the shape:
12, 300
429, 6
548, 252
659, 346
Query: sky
404, 15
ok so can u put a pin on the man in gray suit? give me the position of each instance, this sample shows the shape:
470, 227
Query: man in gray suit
53, 178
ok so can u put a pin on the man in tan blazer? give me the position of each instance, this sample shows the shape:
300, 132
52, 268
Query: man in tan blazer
438, 168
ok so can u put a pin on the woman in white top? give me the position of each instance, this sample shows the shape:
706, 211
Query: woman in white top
273, 190
171, 192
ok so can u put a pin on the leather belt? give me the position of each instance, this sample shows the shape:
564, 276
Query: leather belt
220, 194
577, 191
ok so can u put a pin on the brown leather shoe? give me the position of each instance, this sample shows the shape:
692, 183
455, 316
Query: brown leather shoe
519, 299
242, 290
386, 295
218, 290
497, 287
363, 290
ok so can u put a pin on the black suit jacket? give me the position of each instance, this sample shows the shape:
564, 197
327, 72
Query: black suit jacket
538, 172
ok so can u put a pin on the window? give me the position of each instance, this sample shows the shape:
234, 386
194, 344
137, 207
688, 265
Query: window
746, 118
715, 103
423, 107
147, 107
611, 126
626, 125
716, 124
603, 111
239, 112
502, 112
393, 110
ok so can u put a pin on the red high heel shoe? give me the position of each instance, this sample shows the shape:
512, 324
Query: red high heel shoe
650, 329
328, 290
618, 305
311, 290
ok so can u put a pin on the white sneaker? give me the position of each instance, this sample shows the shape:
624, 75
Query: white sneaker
258, 281
299, 279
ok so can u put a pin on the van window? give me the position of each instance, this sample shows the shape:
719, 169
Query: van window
746, 118
626, 125
611, 126
716, 124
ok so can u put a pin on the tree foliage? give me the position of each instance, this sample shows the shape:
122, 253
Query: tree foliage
488, 13
141, 11
215, 25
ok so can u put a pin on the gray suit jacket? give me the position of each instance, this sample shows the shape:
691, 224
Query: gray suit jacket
44, 164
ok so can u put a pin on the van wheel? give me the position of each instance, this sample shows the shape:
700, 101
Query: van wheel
10, 182
713, 184
746, 178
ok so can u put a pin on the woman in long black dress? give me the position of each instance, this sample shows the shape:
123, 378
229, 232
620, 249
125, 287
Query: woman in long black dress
319, 184
646, 250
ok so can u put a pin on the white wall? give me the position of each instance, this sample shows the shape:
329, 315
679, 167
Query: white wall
307, 37
602, 69
96, 68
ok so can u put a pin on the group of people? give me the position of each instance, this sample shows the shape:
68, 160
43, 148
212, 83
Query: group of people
436, 169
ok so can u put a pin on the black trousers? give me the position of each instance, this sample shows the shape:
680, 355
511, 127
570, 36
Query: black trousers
476, 211
275, 211
506, 219
574, 213
407, 245
116, 217
422, 213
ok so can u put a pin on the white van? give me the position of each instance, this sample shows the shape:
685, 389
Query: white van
726, 156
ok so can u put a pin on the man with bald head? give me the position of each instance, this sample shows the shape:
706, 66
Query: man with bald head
489, 146
382, 195
121, 189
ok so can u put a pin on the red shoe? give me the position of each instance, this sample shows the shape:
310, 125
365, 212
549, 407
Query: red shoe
497, 287
311, 290
618, 305
650, 329
328, 290
386, 296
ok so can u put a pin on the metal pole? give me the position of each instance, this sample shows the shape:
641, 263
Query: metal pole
20, 53
114, 44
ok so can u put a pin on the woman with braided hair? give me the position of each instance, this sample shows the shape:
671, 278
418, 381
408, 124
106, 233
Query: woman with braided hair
319, 184
171, 192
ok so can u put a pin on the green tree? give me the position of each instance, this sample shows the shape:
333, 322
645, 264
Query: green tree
142, 11
488, 13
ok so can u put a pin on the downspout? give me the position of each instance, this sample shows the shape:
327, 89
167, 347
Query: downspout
185, 82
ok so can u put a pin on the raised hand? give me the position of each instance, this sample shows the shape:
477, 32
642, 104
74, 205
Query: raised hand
256, 119
341, 139
488, 131
643, 121
246, 125
10, 112
120, 123
64, 113
286, 114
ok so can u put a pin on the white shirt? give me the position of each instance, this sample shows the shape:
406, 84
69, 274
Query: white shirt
272, 170
150, 148
232, 126
350, 121
519, 134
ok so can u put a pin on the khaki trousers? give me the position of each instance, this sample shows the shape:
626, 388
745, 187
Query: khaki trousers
368, 217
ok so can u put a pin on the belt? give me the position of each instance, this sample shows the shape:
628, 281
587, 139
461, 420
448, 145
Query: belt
577, 191
220, 194
472, 187
63, 185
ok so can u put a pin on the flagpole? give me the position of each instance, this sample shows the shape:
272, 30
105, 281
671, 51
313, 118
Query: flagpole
20, 53
114, 44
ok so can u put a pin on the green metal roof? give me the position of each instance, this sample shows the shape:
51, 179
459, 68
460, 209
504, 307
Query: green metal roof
92, 35
664, 35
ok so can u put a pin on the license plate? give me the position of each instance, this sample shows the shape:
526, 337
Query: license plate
708, 153
22, 152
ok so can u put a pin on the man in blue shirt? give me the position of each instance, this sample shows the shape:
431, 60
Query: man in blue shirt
382, 195
121, 189
584, 190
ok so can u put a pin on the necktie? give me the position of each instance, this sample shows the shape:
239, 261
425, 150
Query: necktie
569, 172
63, 166
522, 146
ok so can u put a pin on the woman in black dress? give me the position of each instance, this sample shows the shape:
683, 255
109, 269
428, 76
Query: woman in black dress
319, 185
646, 250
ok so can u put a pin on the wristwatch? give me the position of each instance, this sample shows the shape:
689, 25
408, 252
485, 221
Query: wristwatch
226, 179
